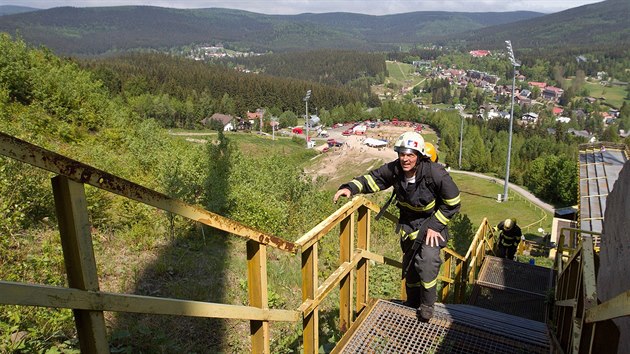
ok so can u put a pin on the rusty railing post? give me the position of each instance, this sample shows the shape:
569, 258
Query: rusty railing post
346, 234
257, 292
446, 270
78, 254
363, 242
310, 322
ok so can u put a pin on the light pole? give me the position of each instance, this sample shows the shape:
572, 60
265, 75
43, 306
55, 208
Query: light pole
461, 138
515, 64
306, 98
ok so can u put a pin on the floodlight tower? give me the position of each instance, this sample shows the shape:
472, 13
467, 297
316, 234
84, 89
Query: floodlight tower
515, 64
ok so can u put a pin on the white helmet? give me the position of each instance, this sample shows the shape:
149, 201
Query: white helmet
410, 142
508, 224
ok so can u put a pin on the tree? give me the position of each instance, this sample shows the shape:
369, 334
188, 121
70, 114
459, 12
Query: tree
611, 134
288, 119
578, 81
553, 178
226, 105
462, 231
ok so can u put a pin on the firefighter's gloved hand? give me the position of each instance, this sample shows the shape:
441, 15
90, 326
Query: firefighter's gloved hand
433, 238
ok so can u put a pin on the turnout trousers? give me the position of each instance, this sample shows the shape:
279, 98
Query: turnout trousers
421, 279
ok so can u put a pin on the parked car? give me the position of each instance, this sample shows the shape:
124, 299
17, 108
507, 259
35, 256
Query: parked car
333, 142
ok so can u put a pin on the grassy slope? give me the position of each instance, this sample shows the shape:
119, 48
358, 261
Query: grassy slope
479, 201
614, 95
402, 74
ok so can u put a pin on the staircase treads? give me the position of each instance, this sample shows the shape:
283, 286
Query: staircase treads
500, 273
393, 328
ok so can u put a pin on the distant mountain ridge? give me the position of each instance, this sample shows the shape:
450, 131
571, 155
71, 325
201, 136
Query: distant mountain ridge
103, 30
98, 30
15, 9
603, 23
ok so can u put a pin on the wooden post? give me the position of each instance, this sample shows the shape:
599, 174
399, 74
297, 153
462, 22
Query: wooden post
310, 323
257, 291
446, 270
78, 254
363, 242
459, 282
346, 234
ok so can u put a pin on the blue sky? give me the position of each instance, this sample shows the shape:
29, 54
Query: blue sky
371, 7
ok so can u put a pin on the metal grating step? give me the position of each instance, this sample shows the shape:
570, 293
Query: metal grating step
393, 328
519, 289
515, 303
501, 273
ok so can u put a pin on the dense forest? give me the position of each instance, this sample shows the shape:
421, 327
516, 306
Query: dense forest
180, 92
331, 67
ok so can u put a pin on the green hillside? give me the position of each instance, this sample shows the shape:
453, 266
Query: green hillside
100, 30
589, 27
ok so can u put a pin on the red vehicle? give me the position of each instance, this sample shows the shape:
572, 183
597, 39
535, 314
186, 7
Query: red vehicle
346, 132
333, 142
297, 130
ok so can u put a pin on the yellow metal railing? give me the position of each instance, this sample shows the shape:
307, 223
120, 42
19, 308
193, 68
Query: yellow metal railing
83, 293
579, 324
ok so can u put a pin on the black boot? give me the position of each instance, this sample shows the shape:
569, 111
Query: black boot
414, 297
425, 311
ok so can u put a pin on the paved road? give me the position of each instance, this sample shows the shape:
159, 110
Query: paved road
512, 187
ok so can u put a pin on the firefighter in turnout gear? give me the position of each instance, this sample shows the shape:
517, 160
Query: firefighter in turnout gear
428, 199
509, 238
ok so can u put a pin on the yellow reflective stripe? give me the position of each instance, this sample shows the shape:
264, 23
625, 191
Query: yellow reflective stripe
452, 202
371, 183
441, 218
428, 207
415, 285
411, 236
358, 184
430, 284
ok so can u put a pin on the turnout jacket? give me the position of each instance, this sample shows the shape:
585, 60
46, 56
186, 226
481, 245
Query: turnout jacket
511, 237
434, 195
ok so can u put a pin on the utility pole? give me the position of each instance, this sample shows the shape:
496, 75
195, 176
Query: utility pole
515, 64
306, 98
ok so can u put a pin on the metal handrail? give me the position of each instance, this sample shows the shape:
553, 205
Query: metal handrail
580, 324
83, 293
88, 302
